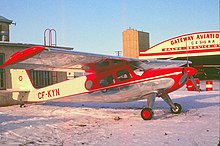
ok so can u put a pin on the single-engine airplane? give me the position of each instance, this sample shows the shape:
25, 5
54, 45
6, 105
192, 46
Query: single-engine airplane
106, 79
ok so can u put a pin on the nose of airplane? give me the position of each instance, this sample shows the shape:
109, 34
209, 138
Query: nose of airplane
190, 71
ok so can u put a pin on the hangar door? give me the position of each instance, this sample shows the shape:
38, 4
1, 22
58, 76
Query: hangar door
2, 72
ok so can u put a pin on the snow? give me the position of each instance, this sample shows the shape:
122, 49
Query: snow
66, 123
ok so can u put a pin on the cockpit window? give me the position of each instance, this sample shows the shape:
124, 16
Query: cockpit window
107, 80
135, 66
117, 61
123, 75
103, 63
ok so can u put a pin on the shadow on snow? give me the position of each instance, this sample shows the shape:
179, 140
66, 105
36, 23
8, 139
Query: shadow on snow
188, 102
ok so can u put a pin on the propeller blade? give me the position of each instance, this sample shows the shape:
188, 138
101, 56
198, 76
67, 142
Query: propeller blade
183, 78
194, 83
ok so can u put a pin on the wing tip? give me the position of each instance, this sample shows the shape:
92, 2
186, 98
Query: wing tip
23, 55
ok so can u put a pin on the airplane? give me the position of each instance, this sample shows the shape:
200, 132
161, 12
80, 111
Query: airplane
106, 78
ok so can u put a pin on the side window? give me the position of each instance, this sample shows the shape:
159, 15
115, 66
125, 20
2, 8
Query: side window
103, 63
107, 81
2, 78
123, 75
117, 61
136, 68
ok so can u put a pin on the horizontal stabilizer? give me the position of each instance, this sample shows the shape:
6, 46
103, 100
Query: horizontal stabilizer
13, 90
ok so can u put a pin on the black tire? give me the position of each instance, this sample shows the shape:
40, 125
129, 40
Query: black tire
178, 109
146, 113
22, 105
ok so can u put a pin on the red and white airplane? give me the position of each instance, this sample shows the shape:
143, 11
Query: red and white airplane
106, 79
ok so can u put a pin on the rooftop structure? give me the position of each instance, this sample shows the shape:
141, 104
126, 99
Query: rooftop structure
4, 29
5, 20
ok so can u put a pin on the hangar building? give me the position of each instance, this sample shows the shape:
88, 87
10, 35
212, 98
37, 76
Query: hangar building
202, 48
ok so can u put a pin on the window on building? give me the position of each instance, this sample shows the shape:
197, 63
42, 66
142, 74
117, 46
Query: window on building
41, 78
2, 72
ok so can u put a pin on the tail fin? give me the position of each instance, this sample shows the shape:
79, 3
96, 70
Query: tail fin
21, 80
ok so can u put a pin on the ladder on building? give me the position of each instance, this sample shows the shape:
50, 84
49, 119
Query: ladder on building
51, 33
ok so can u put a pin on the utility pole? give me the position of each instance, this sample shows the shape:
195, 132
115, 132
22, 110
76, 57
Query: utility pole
219, 14
118, 53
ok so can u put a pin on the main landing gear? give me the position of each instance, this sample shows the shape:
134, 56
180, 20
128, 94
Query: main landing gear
147, 113
174, 107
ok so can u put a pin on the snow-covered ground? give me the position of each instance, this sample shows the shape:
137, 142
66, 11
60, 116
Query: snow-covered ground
67, 123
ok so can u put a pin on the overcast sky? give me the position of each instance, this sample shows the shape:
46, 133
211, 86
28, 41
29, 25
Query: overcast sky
97, 25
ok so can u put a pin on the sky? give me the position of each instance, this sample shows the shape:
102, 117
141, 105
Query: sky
97, 25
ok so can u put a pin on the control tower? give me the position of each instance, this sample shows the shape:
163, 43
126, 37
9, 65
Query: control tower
4, 29
133, 42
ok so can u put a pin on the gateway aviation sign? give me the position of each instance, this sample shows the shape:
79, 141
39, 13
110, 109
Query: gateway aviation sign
194, 44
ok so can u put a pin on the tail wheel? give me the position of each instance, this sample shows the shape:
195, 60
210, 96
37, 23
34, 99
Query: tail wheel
147, 113
177, 110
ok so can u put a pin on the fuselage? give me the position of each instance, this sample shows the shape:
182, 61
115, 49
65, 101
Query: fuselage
109, 81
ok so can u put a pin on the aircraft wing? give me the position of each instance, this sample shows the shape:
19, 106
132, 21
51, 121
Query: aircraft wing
56, 59
44, 58
165, 63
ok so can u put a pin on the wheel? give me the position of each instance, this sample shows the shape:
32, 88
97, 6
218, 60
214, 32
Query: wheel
147, 113
177, 110
22, 105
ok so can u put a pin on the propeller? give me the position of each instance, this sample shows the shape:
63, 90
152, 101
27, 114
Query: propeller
188, 73
194, 83
183, 78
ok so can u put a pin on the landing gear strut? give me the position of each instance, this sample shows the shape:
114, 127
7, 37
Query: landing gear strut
147, 112
174, 107
178, 109
22, 104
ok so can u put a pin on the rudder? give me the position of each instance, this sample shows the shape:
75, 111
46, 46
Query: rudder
21, 80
